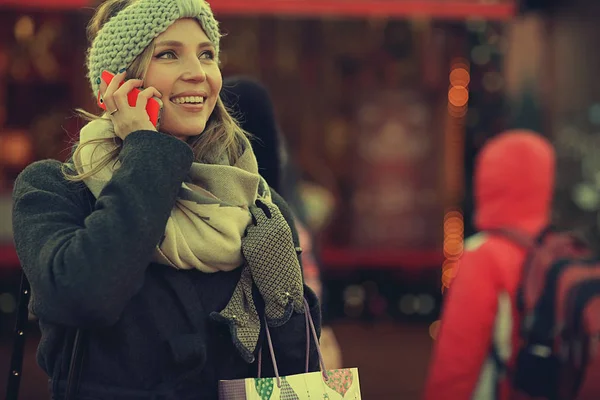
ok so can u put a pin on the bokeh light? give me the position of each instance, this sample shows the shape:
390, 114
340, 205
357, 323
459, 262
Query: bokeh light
24, 28
453, 246
460, 76
481, 55
458, 100
458, 96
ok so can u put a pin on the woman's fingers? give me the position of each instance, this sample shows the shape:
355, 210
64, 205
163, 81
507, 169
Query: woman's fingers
108, 95
120, 95
146, 95
126, 118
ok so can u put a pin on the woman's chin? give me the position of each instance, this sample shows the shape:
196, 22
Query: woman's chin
186, 133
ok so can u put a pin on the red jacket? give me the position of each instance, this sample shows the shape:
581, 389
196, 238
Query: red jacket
514, 181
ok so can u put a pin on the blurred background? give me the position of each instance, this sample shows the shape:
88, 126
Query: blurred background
383, 105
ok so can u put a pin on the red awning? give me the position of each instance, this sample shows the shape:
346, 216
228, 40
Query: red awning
452, 9
45, 4
406, 260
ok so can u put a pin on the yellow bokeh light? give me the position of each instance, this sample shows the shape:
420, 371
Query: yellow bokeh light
17, 149
458, 96
454, 237
460, 62
454, 225
453, 248
24, 28
457, 112
453, 245
449, 264
453, 214
449, 275
460, 77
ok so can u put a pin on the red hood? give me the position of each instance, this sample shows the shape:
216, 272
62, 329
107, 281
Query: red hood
514, 182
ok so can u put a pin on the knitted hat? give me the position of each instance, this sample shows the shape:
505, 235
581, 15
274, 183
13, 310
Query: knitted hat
127, 34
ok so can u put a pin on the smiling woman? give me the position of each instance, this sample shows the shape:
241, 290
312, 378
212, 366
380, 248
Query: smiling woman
184, 69
163, 252
182, 61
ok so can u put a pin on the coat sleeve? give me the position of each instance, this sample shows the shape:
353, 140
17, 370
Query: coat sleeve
85, 265
466, 328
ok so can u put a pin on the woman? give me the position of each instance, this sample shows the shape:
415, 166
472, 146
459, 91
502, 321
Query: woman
162, 251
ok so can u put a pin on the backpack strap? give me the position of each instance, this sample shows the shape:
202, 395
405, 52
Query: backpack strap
530, 244
16, 363
523, 240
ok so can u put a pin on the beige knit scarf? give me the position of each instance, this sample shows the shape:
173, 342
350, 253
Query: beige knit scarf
206, 225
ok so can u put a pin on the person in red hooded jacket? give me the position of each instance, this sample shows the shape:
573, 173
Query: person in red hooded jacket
514, 184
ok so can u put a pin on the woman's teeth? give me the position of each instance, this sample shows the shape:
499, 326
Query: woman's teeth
188, 100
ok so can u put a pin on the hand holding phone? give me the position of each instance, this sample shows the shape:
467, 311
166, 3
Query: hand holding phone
153, 106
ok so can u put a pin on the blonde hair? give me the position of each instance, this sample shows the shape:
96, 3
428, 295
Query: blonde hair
222, 135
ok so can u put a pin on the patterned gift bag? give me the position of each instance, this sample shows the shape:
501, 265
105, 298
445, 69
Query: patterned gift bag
335, 384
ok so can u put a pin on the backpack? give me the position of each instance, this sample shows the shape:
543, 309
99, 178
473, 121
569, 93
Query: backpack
558, 299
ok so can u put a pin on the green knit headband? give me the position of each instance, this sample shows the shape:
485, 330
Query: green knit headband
127, 34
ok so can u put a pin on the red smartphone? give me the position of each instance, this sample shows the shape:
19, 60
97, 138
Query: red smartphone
153, 108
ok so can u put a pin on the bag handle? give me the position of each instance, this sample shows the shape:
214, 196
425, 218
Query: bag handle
75, 366
310, 328
16, 363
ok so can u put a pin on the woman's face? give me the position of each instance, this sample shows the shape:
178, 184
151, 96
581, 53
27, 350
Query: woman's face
184, 69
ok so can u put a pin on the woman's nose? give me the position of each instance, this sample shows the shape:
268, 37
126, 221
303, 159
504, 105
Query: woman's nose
195, 71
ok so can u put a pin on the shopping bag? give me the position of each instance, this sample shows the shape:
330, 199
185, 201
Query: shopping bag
335, 384
340, 384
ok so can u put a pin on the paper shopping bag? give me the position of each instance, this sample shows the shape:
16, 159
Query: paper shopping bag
337, 385
326, 384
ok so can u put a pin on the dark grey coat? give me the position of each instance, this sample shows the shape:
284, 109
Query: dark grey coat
147, 329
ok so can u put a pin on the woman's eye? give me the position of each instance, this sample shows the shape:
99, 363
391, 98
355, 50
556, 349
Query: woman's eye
207, 55
166, 55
